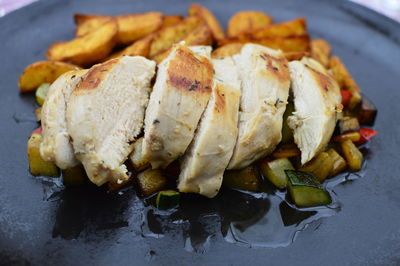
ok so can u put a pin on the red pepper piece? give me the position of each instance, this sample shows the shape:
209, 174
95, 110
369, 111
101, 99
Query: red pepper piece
366, 135
346, 95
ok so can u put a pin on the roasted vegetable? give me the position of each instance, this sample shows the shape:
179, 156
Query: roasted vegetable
138, 48
355, 99
352, 155
87, 49
37, 165
165, 38
41, 93
209, 18
367, 112
74, 176
346, 95
274, 171
286, 150
227, 50
247, 21
171, 20
320, 166
151, 181
167, 199
38, 113
42, 72
131, 27
366, 135
289, 28
321, 51
348, 124
305, 190
136, 157
339, 164
116, 185
291, 56
287, 133
352, 136
342, 75
296, 43
244, 179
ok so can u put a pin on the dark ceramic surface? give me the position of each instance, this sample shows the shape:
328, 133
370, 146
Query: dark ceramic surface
92, 228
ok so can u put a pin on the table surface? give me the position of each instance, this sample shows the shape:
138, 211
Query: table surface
390, 8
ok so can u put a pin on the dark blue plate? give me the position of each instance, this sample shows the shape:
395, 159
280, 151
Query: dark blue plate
42, 224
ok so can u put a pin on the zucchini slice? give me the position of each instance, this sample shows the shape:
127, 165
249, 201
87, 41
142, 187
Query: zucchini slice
339, 163
352, 154
305, 190
320, 166
167, 199
37, 165
274, 171
41, 93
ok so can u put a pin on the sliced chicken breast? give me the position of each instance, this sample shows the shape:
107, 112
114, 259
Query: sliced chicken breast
179, 97
56, 146
317, 101
264, 73
105, 114
209, 153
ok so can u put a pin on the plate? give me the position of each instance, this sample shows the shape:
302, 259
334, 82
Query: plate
44, 225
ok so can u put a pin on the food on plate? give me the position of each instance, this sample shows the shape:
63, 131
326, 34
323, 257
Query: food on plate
209, 18
42, 72
131, 27
199, 36
165, 38
265, 78
265, 107
208, 155
296, 43
105, 114
180, 95
247, 21
317, 102
37, 165
56, 146
294, 27
87, 49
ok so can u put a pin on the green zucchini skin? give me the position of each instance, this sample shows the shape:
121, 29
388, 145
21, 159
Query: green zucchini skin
305, 190
167, 199
274, 171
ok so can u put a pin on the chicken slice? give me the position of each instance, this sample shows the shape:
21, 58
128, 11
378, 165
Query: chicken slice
179, 97
209, 153
56, 146
105, 114
317, 101
265, 89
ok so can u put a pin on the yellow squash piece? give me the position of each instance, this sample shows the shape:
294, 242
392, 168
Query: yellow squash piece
37, 165
151, 181
339, 163
353, 155
320, 166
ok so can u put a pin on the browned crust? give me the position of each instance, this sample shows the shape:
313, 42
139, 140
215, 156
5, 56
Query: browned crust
290, 28
189, 72
220, 101
216, 29
227, 50
277, 66
96, 75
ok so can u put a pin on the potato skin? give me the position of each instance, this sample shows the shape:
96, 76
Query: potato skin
209, 18
42, 72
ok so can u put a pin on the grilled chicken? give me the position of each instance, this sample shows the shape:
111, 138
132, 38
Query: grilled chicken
209, 153
179, 97
317, 101
105, 114
56, 146
265, 89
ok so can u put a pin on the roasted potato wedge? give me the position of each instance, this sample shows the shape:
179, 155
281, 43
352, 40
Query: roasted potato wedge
342, 75
165, 38
87, 23
209, 18
131, 27
247, 21
300, 43
227, 50
140, 48
290, 28
42, 72
200, 36
321, 51
171, 20
88, 49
